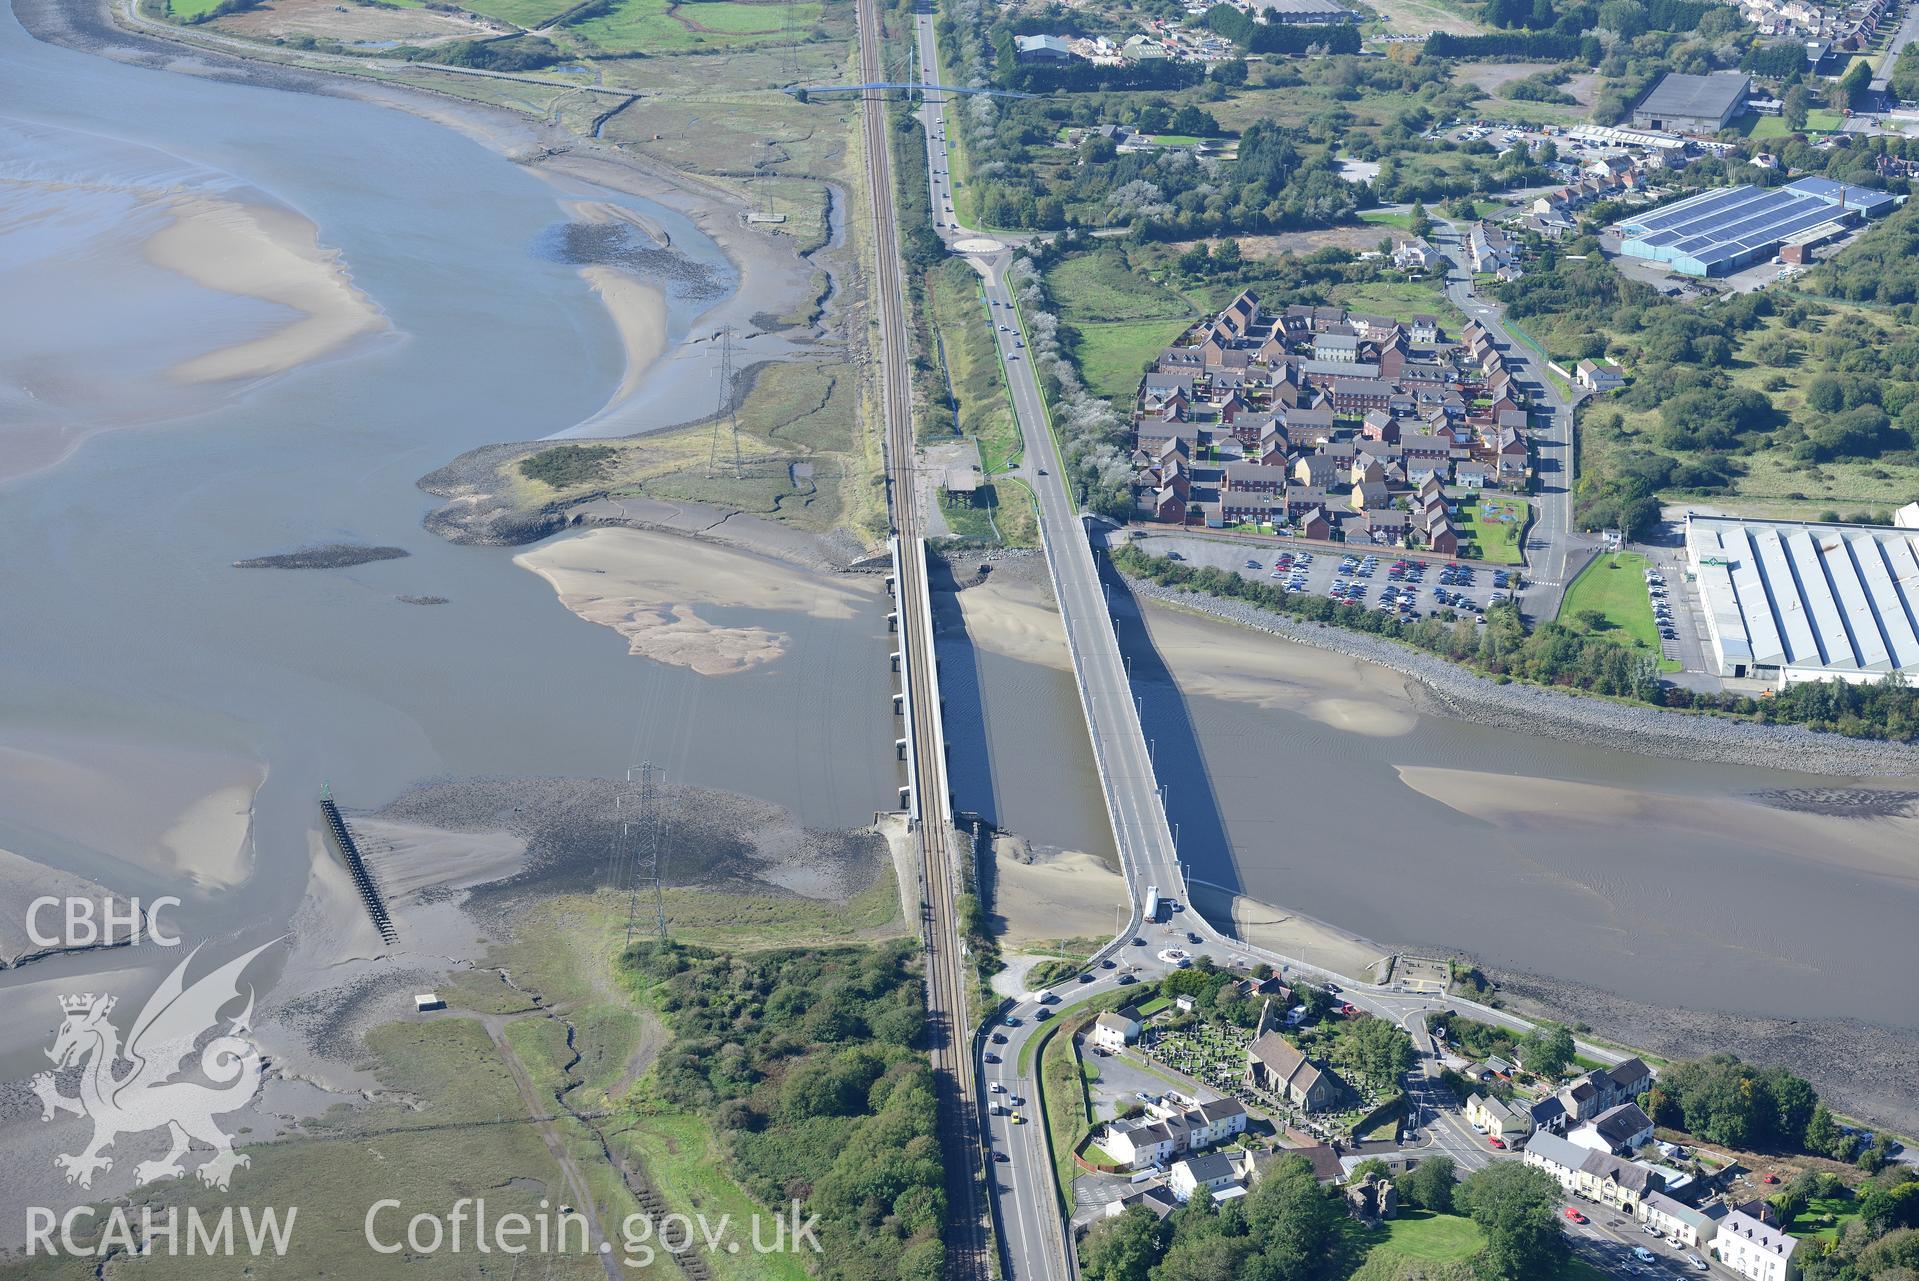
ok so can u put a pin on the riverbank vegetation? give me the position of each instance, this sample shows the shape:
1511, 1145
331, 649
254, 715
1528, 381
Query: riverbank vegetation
1552, 654
804, 1060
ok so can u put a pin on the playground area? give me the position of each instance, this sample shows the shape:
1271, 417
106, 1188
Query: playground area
1492, 527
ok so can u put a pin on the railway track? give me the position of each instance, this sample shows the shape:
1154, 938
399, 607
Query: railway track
948, 1025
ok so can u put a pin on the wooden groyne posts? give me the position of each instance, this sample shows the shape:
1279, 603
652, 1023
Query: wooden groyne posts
362, 875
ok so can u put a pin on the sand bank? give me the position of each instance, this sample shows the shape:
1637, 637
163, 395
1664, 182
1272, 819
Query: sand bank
153, 809
650, 588
1874, 844
211, 839
271, 254
1062, 895
1219, 660
1012, 613
639, 314
1288, 933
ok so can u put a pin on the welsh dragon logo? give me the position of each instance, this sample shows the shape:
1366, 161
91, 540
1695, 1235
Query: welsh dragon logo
146, 1096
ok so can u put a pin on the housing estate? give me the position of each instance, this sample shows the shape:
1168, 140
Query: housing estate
1326, 423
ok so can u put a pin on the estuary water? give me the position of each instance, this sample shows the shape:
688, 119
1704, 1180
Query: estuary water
167, 721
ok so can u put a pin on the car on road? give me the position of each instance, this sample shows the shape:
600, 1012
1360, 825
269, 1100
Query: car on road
997, 1088
1018, 1119
1108, 964
1644, 1255
1575, 1215
1191, 937
1138, 941
992, 1057
1001, 1157
999, 1038
1042, 1013
1086, 978
1124, 979
1017, 1101
1696, 1263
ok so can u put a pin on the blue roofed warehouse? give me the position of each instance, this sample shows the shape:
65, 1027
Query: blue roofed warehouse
1722, 230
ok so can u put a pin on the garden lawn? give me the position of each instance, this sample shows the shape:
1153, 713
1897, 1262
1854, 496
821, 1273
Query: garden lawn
1615, 586
1809, 1222
1432, 1238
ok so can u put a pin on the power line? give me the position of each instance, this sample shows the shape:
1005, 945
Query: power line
638, 849
729, 399
647, 854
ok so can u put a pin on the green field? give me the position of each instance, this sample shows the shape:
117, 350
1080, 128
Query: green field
1818, 120
1500, 538
1112, 357
521, 13
1418, 1244
1425, 1237
664, 26
185, 10
1402, 300
1615, 586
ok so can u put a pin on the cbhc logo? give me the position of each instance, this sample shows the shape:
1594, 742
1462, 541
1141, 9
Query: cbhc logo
101, 924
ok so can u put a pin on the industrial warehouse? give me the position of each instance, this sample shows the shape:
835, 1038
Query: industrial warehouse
1722, 230
1791, 601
